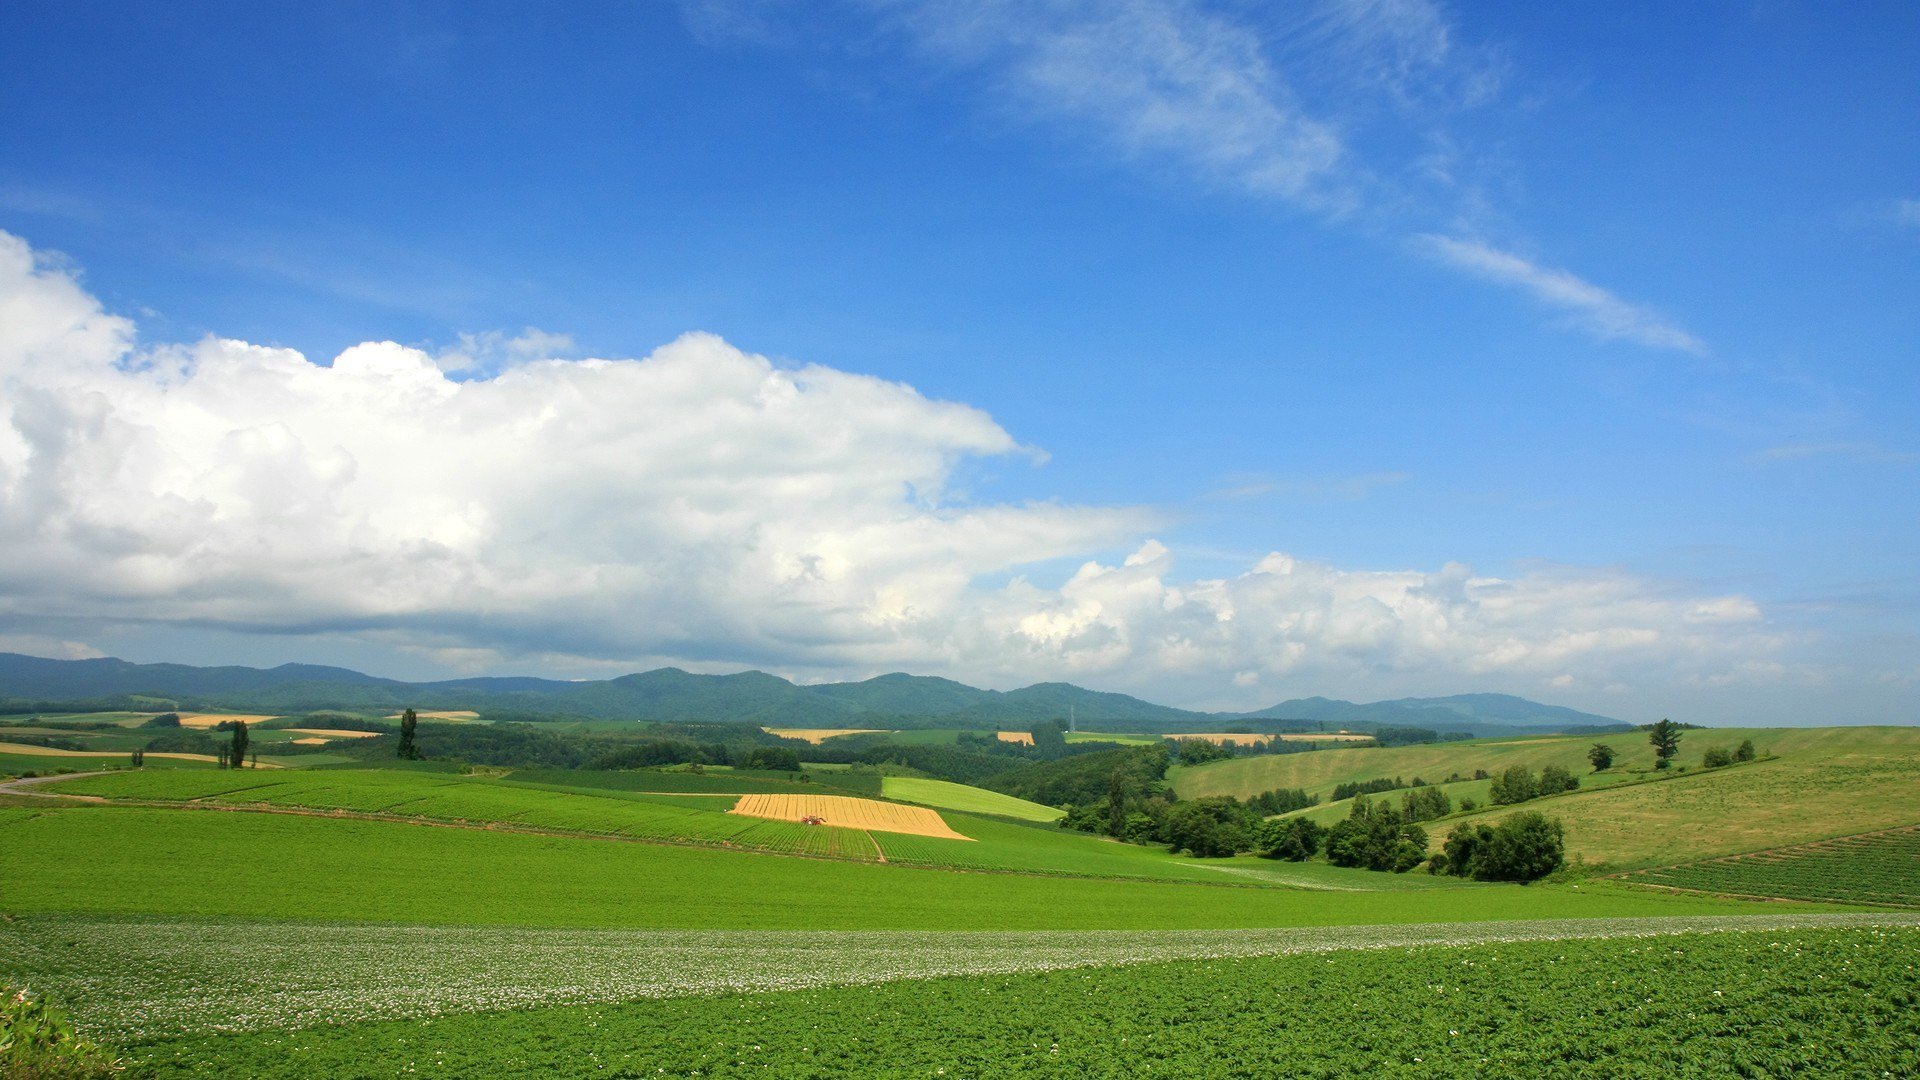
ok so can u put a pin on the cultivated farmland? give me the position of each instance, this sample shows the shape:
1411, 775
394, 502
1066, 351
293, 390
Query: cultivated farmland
1875, 868
847, 812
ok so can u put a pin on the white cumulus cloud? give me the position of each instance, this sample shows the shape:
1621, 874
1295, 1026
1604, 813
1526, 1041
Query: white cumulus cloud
701, 504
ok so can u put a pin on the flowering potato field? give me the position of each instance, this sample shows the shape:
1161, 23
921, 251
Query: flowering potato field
142, 978
1875, 868
1780, 1002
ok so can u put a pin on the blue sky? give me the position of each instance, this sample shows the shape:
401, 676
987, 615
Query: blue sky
1615, 307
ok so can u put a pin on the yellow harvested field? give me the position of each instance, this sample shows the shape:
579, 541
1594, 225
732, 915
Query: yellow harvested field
308, 742
207, 720
1024, 738
441, 714
817, 735
335, 733
1343, 736
1226, 738
117, 755
848, 813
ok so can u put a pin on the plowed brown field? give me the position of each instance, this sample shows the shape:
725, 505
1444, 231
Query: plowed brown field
848, 812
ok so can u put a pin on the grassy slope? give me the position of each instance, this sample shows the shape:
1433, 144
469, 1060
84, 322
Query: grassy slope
131, 860
1765, 804
1825, 782
951, 796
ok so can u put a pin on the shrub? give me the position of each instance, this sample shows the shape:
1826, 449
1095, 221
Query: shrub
1555, 779
1523, 847
1515, 784
37, 1042
1744, 752
1374, 837
1716, 757
1292, 839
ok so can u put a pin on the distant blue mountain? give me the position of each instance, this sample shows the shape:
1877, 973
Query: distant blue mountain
755, 697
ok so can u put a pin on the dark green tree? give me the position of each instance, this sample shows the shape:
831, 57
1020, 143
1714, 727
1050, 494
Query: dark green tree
1601, 756
1523, 847
1050, 739
1555, 779
1117, 784
1515, 784
1292, 839
1745, 751
1716, 757
237, 749
409, 723
1665, 737
1374, 837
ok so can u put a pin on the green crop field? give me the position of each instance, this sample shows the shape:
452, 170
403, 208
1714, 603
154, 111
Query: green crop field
211, 863
1875, 868
950, 796
1774, 1003
627, 921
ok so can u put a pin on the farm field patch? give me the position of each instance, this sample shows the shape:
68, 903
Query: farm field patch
951, 796
816, 736
180, 862
131, 978
1024, 738
452, 715
1876, 868
210, 720
1779, 1002
336, 733
29, 750
848, 811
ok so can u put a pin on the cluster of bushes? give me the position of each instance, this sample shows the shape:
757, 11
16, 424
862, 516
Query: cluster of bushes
1369, 787
1523, 847
1517, 784
1718, 756
1424, 803
1376, 836
1280, 801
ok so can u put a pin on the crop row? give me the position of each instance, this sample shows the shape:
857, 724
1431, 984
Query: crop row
1878, 868
132, 978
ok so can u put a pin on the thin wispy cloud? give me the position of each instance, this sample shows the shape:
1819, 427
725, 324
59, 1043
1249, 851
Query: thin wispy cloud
1155, 80
1589, 306
1342, 488
1858, 451
1336, 107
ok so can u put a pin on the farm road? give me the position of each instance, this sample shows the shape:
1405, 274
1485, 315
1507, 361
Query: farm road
128, 978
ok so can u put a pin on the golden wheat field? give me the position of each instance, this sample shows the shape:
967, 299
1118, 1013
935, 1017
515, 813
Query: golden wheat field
207, 720
848, 812
1024, 738
334, 733
817, 735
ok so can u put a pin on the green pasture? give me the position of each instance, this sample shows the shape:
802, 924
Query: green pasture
945, 795
1125, 740
1815, 790
125, 860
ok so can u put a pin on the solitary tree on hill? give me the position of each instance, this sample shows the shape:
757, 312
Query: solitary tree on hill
1602, 757
237, 753
408, 723
1665, 737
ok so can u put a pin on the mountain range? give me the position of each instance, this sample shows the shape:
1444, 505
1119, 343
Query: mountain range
755, 697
